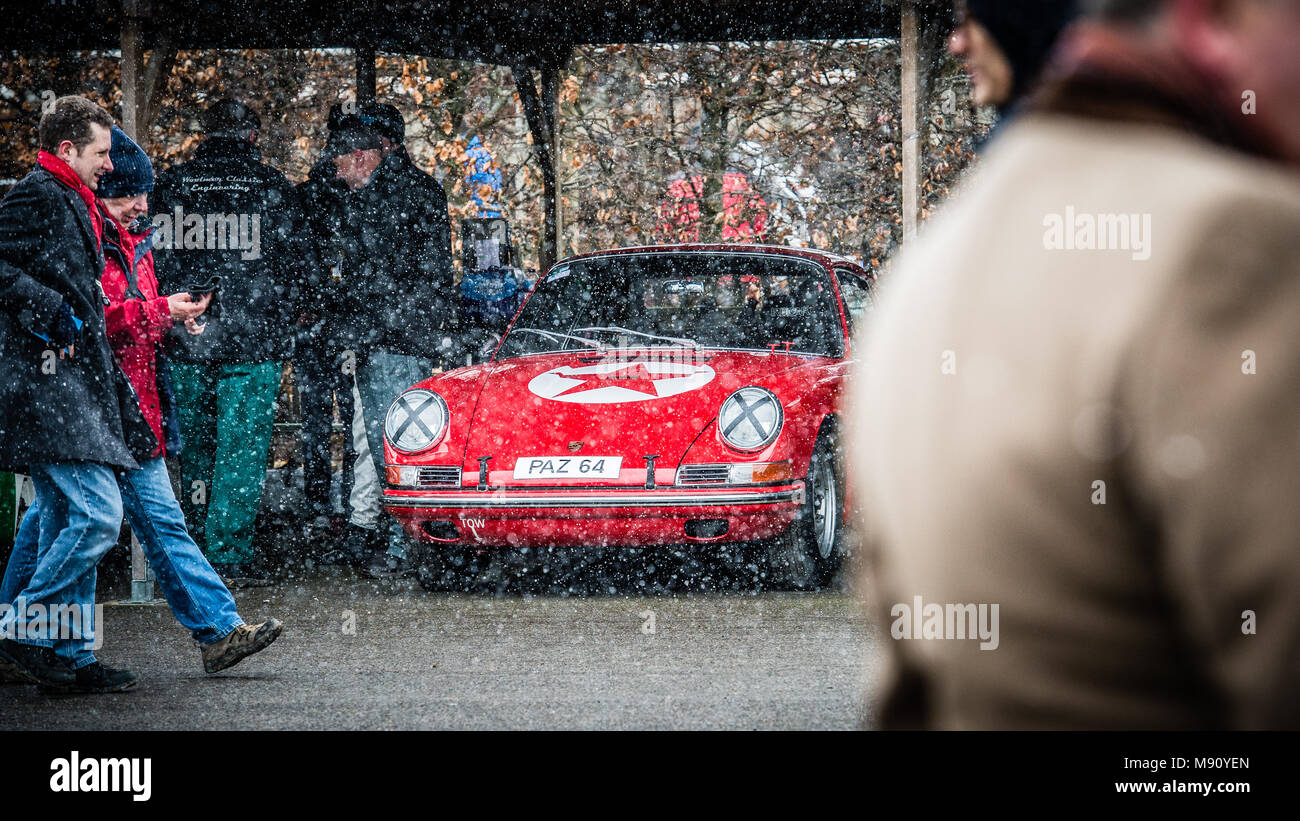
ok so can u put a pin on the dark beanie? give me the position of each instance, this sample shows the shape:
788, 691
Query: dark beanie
132, 174
352, 134
1025, 30
229, 118
385, 119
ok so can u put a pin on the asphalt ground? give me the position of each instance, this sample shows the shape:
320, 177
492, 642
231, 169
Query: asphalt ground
635, 644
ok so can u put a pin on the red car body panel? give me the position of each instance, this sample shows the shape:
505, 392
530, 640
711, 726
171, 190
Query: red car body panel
626, 403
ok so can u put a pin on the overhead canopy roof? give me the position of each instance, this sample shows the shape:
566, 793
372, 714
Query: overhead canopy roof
517, 33
507, 32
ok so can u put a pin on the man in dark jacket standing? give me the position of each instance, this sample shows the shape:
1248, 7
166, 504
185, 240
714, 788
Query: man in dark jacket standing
397, 272
225, 213
420, 229
68, 415
325, 357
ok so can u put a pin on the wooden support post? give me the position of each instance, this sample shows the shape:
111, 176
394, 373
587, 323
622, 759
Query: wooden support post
911, 101
161, 59
132, 73
142, 83
550, 111
541, 124
365, 67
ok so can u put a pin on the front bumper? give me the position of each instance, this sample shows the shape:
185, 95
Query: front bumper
539, 517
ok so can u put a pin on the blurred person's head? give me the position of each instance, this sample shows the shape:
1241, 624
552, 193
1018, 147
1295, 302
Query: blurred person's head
356, 150
77, 131
1004, 44
124, 191
231, 119
353, 145
1246, 49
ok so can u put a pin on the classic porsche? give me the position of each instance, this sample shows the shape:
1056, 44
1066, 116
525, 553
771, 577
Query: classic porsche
668, 395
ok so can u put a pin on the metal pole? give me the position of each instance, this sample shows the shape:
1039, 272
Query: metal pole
134, 98
141, 573
142, 577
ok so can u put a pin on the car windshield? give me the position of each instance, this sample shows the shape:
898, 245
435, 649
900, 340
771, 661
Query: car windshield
697, 300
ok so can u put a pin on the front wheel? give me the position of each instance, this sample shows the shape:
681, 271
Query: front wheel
808, 554
448, 569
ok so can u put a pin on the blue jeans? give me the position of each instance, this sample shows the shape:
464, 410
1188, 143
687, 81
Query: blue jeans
381, 378
196, 594
81, 514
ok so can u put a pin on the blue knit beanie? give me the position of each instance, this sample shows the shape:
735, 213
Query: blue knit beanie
131, 175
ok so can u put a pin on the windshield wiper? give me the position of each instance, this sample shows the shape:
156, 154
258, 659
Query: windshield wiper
555, 335
690, 343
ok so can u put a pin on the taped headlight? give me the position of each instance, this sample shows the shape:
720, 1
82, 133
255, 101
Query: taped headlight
750, 419
416, 421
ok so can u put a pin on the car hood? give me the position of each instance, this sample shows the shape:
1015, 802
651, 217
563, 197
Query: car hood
617, 404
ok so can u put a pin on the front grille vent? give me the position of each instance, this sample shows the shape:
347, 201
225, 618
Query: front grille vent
440, 476
703, 475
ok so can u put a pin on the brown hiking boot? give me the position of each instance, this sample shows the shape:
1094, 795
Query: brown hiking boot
243, 641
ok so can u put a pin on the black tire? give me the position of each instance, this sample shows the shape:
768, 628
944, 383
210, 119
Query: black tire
447, 568
808, 555
429, 576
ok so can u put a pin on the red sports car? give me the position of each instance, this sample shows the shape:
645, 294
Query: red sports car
645, 396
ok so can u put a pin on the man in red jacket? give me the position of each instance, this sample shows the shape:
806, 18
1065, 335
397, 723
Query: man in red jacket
136, 319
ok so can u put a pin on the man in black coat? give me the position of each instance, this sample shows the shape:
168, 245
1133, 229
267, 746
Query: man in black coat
325, 357
398, 216
397, 274
68, 414
226, 214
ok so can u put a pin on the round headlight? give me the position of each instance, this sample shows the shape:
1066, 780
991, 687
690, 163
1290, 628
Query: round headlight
416, 420
750, 419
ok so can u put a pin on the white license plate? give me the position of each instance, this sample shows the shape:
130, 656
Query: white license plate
568, 467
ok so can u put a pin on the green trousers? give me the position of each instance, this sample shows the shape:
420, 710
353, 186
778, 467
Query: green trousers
226, 412
8, 511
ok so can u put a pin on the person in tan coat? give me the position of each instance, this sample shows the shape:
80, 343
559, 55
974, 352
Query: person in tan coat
1075, 427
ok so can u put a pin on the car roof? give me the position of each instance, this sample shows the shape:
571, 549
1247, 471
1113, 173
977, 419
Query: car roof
813, 254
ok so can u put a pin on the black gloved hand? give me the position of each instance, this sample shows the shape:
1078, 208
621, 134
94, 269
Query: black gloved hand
63, 330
